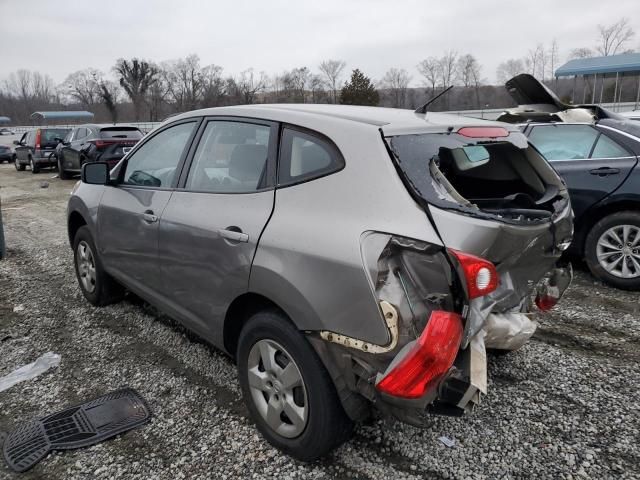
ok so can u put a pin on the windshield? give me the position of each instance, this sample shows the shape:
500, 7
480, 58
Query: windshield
49, 135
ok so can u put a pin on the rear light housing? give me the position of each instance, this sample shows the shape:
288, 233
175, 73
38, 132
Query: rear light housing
481, 276
38, 137
428, 360
483, 132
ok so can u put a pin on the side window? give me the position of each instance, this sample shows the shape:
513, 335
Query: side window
68, 137
231, 158
564, 142
607, 148
305, 156
81, 133
154, 164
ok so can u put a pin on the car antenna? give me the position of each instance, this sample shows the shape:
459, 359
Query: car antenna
424, 108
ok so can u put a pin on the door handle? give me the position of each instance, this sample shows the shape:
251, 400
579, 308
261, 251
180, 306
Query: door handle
149, 217
604, 171
234, 234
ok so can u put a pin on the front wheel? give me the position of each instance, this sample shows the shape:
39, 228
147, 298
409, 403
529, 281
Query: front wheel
287, 389
97, 285
62, 174
612, 250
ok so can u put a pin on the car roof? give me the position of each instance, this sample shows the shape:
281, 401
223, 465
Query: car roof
393, 121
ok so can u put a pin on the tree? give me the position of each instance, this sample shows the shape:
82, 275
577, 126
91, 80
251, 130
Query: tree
448, 68
332, 69
614, 37
469, 73
213, 86
396, 81
136, 77
553, 58
84, 86
429, 68
317, 84
246, 86
509, 69
580, 53
299, 78
184, 82
108, 92
359, 90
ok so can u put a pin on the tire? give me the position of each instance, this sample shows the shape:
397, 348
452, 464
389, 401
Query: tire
62, 174
98, 288
326, 424
598, 241
34, 167
19, 167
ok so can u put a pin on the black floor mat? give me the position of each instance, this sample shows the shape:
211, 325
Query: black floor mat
75, 427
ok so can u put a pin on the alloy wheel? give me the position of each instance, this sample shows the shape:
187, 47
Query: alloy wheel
277, 388
618, 251
86, 266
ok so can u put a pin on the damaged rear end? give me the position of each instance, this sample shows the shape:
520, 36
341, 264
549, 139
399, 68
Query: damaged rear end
504, 218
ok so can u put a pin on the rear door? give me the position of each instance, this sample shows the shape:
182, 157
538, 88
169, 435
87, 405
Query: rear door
71, 151
129, 212
211, 227
592, 164
22, 150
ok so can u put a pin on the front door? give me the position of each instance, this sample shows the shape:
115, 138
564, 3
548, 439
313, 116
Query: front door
592, 164
130, 211
211, 227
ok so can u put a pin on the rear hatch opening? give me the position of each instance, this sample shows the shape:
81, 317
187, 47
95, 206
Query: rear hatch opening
501, 177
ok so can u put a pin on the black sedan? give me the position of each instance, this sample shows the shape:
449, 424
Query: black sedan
599, 163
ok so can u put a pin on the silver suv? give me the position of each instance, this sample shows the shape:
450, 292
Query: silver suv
351, 260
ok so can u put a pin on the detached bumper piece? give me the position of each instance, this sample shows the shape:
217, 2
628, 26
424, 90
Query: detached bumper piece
75, 427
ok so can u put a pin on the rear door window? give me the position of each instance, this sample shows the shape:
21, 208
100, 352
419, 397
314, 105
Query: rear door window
231, 158
154, 164
608, 148
564, 142
305, 156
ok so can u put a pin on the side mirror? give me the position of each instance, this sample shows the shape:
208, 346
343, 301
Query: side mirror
95, 173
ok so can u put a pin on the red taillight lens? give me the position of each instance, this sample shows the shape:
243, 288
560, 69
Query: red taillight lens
38, 136
483, 132
430, 358
480, 275
545, 302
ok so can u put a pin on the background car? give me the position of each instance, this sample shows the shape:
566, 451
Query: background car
333, 252
596, 153
599, 163
6, 154
36, 146
6, 131
91, 143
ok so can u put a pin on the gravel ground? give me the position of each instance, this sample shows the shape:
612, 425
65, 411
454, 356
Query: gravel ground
565, 406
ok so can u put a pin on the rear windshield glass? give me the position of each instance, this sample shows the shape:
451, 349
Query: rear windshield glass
120, 132
476, 170
49, 135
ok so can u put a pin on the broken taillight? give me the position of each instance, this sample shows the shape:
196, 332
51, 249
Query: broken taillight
480, 275
483, 132
430, 357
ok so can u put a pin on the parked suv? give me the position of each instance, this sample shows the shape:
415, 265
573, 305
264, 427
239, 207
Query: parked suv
91, 143
348, 258
36, 146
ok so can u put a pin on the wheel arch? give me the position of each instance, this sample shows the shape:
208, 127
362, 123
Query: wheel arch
74, 223
600, 211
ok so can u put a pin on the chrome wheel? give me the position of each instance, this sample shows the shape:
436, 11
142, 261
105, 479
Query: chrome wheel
277, 388
618, 251
86, 266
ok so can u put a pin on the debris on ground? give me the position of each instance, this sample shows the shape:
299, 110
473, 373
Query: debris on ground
29, 371
75, 427
447, 442
18, 308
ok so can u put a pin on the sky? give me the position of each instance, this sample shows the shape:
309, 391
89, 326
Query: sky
58, 37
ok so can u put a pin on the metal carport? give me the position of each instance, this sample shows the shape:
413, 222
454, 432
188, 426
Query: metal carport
69, 115
626, 64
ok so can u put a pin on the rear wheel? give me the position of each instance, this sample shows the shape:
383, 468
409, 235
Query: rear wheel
612, 250
34, 167
97, 285
62, 174
19, 167
287, 390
